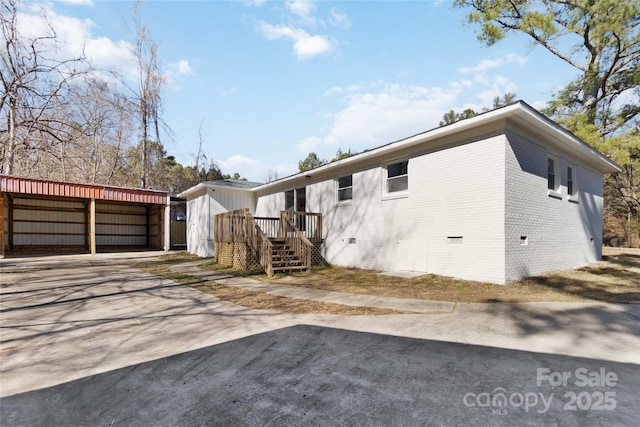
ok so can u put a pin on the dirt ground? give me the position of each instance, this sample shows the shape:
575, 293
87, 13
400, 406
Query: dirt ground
615, 280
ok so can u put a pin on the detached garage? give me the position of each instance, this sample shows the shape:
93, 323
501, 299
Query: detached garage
46, 215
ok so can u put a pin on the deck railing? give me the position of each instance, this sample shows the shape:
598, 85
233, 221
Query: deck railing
300, 230
309, 223
270, 226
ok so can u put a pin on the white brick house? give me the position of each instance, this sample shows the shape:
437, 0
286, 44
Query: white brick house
495, 198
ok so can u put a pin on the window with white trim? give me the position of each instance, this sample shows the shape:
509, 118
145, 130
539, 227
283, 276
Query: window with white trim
553, 177
345, 188
398, 176
572, 182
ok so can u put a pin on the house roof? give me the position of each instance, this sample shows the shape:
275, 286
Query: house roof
518, 112
230, 184
41, 187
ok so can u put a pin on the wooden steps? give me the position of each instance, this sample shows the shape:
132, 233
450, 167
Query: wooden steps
283, 257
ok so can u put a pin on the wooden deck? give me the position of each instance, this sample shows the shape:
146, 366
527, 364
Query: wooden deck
277, 244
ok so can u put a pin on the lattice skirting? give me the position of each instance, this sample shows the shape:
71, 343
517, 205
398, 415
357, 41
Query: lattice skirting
235, 255
239, 256
316, 255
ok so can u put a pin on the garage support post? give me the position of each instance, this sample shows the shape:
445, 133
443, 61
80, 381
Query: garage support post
1, 225
92, 226
166, 235
10, 221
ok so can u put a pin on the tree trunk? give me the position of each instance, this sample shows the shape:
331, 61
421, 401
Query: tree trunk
11, 127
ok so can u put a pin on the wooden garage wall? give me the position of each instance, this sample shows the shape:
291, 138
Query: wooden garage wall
38, 222
120, 225
128, 225
156, 221
62, 223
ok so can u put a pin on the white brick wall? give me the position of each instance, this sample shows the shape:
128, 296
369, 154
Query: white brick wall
454, 192
559, 231
491, 193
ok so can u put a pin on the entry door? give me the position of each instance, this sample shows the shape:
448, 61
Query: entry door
301, 206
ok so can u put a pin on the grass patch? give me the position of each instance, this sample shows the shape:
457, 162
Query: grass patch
615, 280
246, 298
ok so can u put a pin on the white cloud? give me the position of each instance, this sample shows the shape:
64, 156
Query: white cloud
377, 112
74, 39
235, 162
303, 9
373, 118
175, 72
487, 64
308, 144
184, 67
497, 86
255, 3
339, 19
305, 45
78, 2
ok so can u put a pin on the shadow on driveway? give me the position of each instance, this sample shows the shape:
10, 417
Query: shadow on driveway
311, 375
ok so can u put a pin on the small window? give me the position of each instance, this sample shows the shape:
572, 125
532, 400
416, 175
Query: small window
397, 176
345, 188
551, 174
524, 241
553, 177
571, 181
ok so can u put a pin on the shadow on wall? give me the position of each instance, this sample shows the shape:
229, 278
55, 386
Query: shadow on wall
364, 219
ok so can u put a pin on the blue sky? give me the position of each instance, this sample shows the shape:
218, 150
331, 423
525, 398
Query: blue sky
270, 81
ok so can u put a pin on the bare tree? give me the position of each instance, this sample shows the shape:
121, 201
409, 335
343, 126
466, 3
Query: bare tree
150, 84
35, 85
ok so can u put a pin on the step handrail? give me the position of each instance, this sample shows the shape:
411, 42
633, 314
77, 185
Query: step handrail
301, 246
259, 243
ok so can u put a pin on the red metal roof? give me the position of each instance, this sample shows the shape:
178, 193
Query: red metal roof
14, 184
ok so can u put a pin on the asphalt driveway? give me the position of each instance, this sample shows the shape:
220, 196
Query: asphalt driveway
91, 341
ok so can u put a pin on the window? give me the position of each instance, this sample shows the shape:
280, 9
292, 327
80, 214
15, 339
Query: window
397, 176
553, 177
345, 188
572, 189
289, 200
551, 174
296, 201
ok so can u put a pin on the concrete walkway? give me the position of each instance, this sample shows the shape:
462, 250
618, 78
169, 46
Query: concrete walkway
400, 304
64, 318
89, 340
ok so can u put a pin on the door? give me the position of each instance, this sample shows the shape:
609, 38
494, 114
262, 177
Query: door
296, 201
301, 206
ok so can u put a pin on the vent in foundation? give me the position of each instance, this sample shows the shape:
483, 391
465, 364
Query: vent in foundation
454, 240
351, 240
